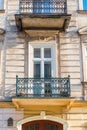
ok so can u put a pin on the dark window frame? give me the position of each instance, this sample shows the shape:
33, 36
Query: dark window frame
10, 122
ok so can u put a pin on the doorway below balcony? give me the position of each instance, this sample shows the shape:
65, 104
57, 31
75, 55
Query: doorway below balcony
42, 122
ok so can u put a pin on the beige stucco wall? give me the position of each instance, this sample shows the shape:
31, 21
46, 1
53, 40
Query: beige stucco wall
15, 50
81, 20
5, 114
13, 46
76, 118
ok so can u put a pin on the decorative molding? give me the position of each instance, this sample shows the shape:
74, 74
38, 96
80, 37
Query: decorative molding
45, 117
4, 104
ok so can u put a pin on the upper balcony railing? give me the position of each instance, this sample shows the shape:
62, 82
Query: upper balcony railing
43, 7
42, 88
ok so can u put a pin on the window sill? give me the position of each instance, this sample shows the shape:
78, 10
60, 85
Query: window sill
2, 11
82, 11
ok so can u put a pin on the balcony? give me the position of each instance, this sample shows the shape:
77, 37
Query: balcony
43, 7
42, 15
42, 88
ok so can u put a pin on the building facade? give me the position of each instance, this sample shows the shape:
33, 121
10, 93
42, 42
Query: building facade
43, 64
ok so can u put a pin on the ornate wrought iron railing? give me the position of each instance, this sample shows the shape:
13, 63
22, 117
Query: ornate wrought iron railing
43, 6
42, 88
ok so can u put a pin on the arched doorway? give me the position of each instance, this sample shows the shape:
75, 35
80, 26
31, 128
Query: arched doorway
42, 122
42, 125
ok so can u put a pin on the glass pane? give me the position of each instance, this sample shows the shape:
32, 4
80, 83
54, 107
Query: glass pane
47, 69
84, 4
1, 4
26, 128
10, 122
31, 127
37, 53
37, 127
37, 69
57, 127
47, 52
50, 127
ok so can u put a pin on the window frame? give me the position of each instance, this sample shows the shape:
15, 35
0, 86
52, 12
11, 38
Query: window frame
85, 50
10, 122
84, 58
81, 6
42, 59
31, 59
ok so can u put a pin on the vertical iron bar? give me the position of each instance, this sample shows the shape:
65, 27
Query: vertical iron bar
16, 85
69, 84
66, 7
19, 6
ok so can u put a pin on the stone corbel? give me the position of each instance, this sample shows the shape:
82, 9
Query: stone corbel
2, 31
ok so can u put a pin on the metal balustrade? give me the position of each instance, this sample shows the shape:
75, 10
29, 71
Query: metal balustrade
42, 88
43, 6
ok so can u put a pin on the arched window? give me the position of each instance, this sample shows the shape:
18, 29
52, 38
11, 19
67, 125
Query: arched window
1, 4
10, 122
